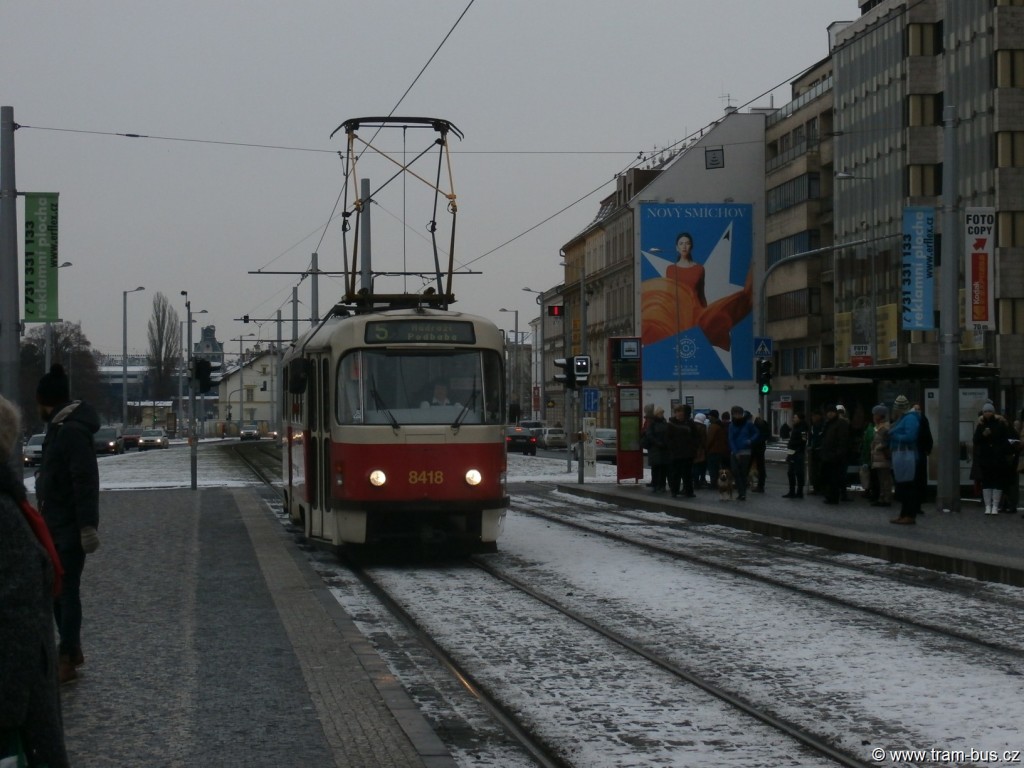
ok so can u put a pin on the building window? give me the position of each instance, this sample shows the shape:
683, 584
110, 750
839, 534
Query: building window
794, 192
792, 304
1010, 229
924, 180
924, 109
1009, 69
924, 39
790, 246
1010, 148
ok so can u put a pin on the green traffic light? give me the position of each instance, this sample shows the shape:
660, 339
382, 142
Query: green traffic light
766, 389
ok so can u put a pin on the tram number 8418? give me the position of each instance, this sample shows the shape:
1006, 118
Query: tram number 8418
426, 477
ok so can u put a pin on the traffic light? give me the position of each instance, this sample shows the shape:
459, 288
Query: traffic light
203, 372
556, 310
764, 376
569, 376
581, 368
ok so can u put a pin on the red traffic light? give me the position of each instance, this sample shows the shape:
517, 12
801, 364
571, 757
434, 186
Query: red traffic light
556, 310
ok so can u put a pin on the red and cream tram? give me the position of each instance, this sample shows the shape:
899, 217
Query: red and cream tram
394, 428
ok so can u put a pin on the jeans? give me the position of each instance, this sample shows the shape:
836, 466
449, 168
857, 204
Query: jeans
67, 606
740, 472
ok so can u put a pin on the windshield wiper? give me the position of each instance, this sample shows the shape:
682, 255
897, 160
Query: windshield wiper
379, 401
470, 403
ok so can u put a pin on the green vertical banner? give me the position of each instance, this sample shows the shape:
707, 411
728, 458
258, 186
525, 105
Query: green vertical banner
41, 257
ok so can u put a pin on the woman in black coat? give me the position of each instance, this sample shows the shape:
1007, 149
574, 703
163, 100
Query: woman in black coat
993, 456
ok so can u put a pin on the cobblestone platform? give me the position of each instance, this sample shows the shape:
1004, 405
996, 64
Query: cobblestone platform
210, 641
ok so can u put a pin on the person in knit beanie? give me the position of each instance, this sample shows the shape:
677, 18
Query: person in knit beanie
29, 700
68, 488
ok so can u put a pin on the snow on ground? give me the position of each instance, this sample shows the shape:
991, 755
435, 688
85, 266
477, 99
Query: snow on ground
216, 468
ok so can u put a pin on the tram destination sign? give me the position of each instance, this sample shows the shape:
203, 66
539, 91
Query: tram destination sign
419, 332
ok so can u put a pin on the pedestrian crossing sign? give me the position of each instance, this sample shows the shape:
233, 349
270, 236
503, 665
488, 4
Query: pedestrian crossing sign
763, 347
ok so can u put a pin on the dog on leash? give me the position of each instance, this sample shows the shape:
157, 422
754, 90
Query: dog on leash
725, 485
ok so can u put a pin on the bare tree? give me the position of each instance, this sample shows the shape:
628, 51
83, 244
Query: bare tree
164, 333
70, 348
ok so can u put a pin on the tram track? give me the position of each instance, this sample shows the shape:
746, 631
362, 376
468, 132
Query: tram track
745, 558
833, 732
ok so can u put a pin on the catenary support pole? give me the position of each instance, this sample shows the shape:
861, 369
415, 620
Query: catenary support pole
10, 306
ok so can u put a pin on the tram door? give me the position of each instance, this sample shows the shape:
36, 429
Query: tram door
318, 413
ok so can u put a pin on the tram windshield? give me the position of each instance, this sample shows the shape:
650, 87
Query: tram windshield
405, 386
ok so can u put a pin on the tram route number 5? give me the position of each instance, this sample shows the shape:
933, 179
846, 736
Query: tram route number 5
426, 477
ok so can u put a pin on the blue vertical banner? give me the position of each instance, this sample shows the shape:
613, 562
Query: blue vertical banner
696, 291
917, 270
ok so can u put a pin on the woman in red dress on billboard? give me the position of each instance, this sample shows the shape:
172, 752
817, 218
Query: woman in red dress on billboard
677, 302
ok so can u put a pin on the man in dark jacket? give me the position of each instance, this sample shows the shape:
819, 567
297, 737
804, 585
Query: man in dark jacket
682, 447
67, 488
835, 446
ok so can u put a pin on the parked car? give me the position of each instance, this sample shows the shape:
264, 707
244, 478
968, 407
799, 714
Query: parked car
551, 438
131, 437
153, 438
108, 440
533, 426
606, 442
33, 451
521, 440
249, 432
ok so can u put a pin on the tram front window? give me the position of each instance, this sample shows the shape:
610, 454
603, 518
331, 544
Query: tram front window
400, 387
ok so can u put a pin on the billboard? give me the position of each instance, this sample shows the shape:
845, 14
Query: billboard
917, 273
696, 291
979, 234
41, 257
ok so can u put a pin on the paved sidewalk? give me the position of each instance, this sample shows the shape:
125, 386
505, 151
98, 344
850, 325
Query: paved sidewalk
210, 641
969, 543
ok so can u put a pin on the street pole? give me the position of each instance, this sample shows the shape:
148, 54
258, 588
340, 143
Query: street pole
124, 355
10, 299
583, 351
241, 379
948, 490
539, 355
513, 361
193, 439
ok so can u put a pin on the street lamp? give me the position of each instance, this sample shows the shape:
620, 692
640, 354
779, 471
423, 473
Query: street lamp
241, 378
49, 327
124, 355
186, 359
873, 299
515, 354
541, 377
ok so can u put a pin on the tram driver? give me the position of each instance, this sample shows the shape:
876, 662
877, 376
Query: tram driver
440, 396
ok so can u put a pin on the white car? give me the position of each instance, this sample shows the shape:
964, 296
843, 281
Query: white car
33, 452
249, 432
551, 438
153, 438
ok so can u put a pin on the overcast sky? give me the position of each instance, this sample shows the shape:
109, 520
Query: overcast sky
554, 96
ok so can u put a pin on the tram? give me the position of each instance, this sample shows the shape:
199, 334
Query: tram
372, 453
394, 404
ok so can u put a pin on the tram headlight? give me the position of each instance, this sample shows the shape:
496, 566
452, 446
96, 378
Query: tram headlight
473, 477
378, 478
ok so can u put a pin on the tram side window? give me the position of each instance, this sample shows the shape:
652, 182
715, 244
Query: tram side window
349, 401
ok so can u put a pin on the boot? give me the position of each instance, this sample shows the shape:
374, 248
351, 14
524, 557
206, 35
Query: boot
986, 500
66, 670
799, 492
997, 497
